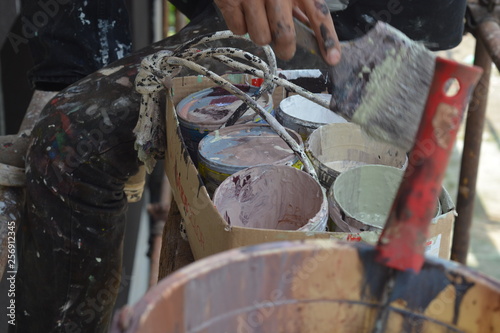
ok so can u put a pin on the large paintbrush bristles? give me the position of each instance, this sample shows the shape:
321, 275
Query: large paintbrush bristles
382, 84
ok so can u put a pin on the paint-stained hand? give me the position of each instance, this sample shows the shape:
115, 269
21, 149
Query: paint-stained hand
269, 21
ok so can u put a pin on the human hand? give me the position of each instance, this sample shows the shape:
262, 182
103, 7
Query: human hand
269, 21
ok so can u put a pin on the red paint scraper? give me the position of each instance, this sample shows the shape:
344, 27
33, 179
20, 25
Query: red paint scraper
396, 90
401, 245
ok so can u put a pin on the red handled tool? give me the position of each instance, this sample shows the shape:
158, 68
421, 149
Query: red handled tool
401, 245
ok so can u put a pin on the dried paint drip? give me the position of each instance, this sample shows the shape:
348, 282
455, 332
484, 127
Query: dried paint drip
272, 197
304, 116
336, 148
231, 149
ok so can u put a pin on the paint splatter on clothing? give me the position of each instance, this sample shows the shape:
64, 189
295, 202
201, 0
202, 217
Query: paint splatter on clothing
77, 38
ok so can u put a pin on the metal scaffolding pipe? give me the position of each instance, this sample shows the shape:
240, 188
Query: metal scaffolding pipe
470, 157
488, 31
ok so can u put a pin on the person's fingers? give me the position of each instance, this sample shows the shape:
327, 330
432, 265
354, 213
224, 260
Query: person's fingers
233, 15
279, 15
321, 22
256, 19
272, 20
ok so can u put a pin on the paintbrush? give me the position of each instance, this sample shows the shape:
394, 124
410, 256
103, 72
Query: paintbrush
381, 82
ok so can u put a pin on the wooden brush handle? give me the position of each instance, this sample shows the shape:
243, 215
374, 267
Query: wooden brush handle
401, 245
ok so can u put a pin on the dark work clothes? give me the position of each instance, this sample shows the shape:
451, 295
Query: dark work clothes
439, 24
191, 8
70, 39
82, 151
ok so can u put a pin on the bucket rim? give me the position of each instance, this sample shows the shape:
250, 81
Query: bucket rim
313, 224
306, 123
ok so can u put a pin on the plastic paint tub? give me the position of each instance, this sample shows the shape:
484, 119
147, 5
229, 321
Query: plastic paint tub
335, 148
360, 198
234, 148
304, 116
272, 197
207, 110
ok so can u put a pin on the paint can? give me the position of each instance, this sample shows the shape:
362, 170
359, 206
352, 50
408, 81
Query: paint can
231, 149
304, 116
360, 198
277, 197
207, 110
335, 148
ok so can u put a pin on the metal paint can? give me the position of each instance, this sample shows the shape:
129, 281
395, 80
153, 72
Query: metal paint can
231, 149
335, 148
275, 197
207, 110
360, 198
304, 116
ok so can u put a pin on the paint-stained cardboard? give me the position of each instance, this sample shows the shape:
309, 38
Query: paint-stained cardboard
208, 232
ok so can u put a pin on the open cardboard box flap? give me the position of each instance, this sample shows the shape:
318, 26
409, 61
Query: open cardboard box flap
209, 233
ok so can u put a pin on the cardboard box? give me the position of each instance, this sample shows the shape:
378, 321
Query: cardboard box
208, 232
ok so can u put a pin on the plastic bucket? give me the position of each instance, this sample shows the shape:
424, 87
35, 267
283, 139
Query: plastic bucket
234, 148
207, 110
272, 197
335, 148
304, 116
360, 198
314, 286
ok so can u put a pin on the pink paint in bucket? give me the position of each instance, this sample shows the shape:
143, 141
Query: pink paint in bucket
234, 148
272, 197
